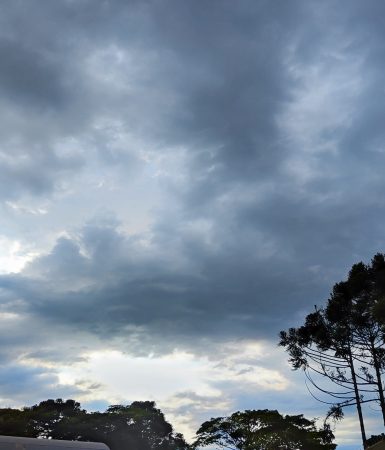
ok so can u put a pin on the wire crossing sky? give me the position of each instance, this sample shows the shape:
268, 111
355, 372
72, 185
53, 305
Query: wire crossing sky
179, 181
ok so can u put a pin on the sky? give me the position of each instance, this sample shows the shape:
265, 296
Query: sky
180, 181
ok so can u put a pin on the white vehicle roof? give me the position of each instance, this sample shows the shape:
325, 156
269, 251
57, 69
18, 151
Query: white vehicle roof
21, 443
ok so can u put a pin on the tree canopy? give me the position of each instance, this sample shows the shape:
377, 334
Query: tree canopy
343, 343
138, 426
263, 430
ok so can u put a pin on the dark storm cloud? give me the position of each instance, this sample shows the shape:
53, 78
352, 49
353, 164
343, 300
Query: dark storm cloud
24, 385
197, 81
247, 243
44, 101
181, 293
27, 76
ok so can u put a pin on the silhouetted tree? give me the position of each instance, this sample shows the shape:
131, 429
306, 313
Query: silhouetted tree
139, 426
344, 343
45, 417
367, 289
16, 422
321, 351
263, 430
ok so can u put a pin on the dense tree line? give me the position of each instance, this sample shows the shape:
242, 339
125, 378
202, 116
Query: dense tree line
264, 430
141, 426
340, 347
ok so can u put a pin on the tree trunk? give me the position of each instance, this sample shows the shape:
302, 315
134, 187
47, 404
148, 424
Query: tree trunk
358, 399
379, 380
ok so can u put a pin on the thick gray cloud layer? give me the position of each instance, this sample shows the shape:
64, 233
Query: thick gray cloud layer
262, 212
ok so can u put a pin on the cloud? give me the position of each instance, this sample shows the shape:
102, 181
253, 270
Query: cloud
22, 385
130, 61
173, 290
179, 177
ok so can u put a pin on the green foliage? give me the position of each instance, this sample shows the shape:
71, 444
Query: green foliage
46, 417
14, 422
264, 430
139, 426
